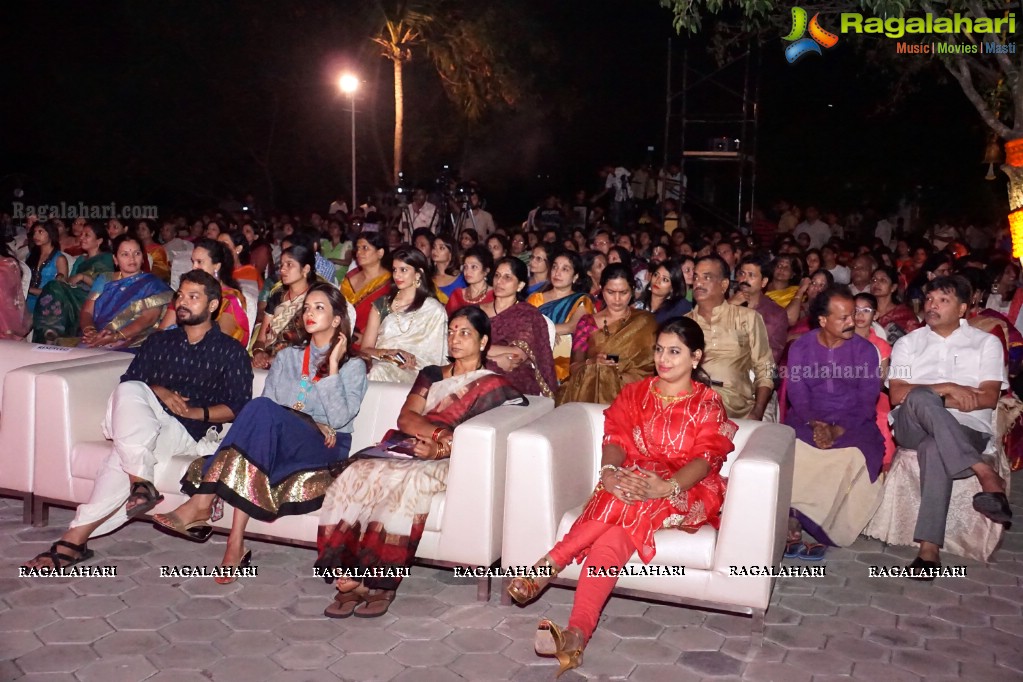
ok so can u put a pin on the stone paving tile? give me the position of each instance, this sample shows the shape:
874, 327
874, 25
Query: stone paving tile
187, 656
124, 669
819, 662
770, 672
306, 656
647, 651
844, 626
129, 643
249, 644
693, 638
661, 673
423, 654
77, 631
476, 641
925, 663
26, 619
16, 644
987, 673
632, 626
1011, 624
141, 618
893, 637
366, 668
713, 663
243, 669
420, 628
211, 607
831, 625
365, 641
485, 666
856, 649
57, 658
870, 670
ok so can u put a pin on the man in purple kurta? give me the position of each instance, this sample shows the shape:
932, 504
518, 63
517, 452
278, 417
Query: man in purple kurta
832, 385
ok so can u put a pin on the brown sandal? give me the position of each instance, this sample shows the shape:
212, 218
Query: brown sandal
146, 494
375, 604
344, 604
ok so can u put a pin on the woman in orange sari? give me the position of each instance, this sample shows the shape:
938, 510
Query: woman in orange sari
665, 440
160, 265
240, 264
212, 257
367, 282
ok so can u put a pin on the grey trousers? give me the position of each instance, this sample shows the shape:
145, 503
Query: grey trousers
946, 450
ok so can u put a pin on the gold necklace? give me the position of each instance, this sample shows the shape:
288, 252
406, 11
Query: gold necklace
668, 398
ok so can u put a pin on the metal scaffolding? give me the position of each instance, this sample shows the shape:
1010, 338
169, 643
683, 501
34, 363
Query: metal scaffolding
718, 121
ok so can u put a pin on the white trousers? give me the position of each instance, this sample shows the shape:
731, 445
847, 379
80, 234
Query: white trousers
144, 435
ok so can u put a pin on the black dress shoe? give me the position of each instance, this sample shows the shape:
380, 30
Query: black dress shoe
994, 506
921, 569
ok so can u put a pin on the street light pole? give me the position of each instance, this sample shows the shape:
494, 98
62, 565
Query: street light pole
349, 84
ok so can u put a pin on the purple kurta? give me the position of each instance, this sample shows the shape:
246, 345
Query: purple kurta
837, 386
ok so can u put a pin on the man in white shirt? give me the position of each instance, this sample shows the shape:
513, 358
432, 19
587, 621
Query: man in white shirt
421, 212
817, 229
481, 219
829, 256
863, 267
954, 375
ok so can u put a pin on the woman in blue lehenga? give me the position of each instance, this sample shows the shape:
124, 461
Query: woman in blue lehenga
279, 457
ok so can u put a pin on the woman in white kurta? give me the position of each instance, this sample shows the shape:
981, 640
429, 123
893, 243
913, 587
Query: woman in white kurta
407, 329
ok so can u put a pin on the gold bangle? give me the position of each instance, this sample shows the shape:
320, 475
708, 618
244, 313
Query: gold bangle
121, 334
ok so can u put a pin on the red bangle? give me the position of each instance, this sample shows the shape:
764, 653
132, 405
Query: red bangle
436, 434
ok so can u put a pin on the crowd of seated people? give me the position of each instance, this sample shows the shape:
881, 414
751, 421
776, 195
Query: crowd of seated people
654, 322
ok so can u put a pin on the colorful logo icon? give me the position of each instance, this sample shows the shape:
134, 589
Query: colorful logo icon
801, 46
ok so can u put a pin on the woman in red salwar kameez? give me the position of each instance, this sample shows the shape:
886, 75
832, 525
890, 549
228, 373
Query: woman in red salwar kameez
665, 439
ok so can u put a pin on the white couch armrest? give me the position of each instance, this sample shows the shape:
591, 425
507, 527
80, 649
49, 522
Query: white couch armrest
753, 519
552, 467
473, 521
70, 406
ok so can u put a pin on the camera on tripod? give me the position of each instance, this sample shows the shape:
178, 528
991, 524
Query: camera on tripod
402, 192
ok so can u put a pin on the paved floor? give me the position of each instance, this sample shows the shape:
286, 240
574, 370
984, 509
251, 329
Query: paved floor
138, 626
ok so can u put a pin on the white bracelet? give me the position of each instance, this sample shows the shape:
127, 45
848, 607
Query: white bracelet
612, 467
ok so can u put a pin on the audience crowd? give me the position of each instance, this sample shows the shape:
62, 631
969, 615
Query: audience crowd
861, 334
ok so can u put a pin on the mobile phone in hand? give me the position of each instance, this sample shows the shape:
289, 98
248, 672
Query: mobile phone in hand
612, 357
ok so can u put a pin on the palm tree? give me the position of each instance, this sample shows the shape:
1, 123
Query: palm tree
473, 71
402, 29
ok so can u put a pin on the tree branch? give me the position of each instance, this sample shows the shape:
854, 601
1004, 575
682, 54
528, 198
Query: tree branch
961, 72
1003, 59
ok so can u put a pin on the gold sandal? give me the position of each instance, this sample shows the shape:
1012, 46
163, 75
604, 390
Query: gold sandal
524, 589
551, 640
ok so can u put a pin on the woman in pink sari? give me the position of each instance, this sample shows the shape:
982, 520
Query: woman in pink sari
15, 319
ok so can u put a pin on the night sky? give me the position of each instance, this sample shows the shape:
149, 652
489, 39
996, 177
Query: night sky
180, 103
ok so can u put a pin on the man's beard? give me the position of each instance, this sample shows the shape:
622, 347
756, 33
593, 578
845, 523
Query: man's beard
193, 320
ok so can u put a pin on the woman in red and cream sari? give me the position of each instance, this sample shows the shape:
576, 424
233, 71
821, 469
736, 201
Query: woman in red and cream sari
374, 514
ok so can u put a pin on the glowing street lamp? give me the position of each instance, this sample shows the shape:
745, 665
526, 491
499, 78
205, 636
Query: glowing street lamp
349, 84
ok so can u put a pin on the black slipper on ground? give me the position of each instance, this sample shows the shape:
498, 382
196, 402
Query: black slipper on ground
922, 568
994, 506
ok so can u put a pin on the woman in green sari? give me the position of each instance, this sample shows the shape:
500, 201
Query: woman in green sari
60, 303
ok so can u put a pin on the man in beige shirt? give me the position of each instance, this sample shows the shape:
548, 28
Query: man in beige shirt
736, 342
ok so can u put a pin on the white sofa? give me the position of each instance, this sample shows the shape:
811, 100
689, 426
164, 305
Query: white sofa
552, 470
20, 364
465, 523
